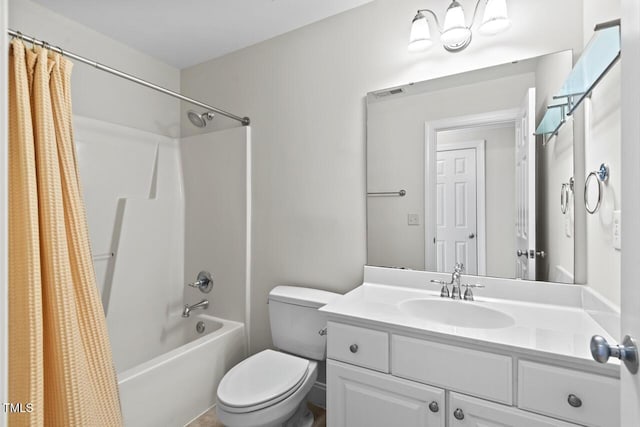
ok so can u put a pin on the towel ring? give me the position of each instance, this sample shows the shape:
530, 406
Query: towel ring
564, 198
601, 175
565, 195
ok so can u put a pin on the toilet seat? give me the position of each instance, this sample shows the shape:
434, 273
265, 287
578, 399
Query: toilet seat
261, 380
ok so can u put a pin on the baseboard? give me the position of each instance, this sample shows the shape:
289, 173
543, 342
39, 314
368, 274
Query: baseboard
318, 395
201, 414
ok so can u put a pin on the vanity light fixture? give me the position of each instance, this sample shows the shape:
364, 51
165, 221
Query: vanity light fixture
456, 35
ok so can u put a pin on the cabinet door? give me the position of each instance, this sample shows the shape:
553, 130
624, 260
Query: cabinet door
358, 397
465, 411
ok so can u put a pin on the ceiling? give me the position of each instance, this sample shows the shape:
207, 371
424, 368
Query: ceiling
183, 33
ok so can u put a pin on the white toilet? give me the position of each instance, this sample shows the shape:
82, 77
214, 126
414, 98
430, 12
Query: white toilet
270, 387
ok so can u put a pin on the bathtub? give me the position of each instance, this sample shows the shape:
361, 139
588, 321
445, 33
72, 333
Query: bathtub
173, 388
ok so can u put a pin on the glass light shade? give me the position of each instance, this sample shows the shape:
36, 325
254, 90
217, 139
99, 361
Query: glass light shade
420, 38
495, 19
455, 31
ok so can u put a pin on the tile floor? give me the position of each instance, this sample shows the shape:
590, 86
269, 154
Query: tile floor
209, 419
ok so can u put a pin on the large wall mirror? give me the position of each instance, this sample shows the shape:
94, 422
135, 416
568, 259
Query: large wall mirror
456, 174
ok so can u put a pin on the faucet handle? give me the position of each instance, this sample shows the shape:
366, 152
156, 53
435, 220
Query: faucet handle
204, 282
468, 295
470, 285
444, 291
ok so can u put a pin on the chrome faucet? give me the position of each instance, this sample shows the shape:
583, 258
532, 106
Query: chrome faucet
188, 308
455, 281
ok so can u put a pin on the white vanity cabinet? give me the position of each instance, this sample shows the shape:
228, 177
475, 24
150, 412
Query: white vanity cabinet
358, 397
466, 411
378, 377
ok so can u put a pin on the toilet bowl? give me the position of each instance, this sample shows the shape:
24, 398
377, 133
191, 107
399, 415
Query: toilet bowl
270, 388
267, 389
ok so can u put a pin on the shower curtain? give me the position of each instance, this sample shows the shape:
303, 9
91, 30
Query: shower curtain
60, 366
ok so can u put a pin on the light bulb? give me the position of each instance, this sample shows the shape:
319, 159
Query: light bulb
455, 34
495, 18
420, 38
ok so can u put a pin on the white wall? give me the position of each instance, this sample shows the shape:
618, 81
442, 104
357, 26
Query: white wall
304, 93
395, 159
138, 215
97, 94
500, 195
602, 142
216, 168
555, 165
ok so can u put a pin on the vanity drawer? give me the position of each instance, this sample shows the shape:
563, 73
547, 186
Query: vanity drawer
359, 346
460, 369
546, 390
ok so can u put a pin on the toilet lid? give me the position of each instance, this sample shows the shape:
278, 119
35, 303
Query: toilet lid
262, 378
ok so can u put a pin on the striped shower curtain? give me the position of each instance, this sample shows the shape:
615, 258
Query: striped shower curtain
60, 366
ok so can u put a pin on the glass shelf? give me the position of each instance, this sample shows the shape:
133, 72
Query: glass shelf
553, 118
600, 54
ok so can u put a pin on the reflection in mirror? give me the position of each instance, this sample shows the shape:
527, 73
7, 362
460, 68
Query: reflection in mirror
480, 188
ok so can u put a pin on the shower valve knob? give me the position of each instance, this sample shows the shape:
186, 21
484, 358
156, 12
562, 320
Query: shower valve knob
204, 282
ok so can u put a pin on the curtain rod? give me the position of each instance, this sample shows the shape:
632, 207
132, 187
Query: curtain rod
244, 120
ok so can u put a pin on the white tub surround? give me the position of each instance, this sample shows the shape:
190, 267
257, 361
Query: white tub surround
155, 392
519, 348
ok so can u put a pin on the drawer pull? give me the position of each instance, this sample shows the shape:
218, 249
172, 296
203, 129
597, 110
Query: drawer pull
574, 401
353, 348
434, 407
458, 414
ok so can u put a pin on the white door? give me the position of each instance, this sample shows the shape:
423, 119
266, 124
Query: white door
466, 411
630, 288
526, 189
456, 209
363, 398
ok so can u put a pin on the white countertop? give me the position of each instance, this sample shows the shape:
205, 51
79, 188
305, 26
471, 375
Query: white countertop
561, 332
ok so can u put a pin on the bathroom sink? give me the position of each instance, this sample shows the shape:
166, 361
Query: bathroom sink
465, 314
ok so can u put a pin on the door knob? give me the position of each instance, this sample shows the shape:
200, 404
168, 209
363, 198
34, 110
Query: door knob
471, 236
353, 348
601, 350
531, 253
541, 254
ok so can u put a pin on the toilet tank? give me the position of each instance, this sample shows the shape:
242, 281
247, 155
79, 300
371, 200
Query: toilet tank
296, 321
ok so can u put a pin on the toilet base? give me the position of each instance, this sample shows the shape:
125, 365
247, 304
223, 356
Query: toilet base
301, 418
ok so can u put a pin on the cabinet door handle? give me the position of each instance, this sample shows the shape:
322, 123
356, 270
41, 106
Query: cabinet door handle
434, 407
458, 414
353, 348
574, 401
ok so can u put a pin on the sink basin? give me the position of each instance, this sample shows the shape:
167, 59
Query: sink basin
465, 314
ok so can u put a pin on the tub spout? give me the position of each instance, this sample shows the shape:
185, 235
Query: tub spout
187, 308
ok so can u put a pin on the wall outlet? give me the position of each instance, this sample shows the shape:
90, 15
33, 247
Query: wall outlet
617, 229
413, 219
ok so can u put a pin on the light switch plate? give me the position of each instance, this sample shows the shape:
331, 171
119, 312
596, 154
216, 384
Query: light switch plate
617, 229
413, 219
